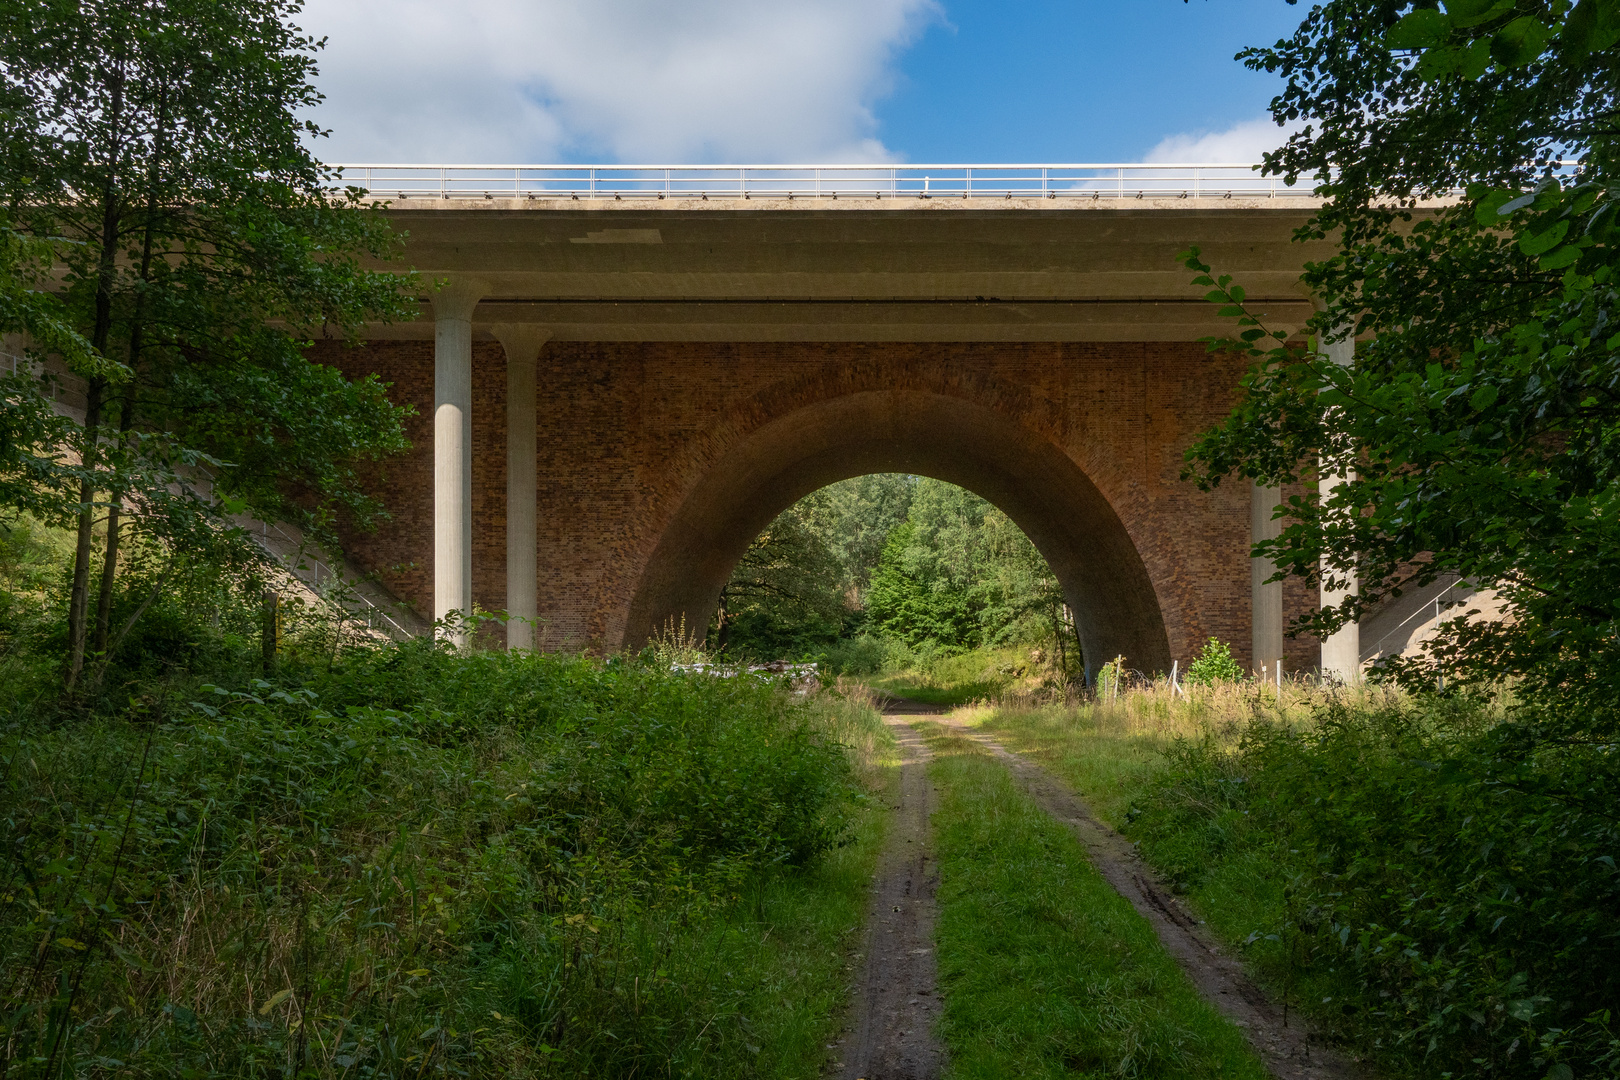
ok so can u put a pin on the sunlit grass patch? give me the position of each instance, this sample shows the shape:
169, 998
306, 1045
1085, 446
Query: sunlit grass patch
1046, 971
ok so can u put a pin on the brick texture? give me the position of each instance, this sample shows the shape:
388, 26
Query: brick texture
627, 430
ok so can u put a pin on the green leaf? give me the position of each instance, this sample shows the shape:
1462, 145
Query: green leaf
1477, 59
1483, 398
1487, 210
1520, 41
1465, 13
1513, 206
1544, 241
275, 1000
1564, 256
1593, 26
1421, 29
1438, 62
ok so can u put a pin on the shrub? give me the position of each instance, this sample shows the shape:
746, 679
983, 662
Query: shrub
1214, 665
863, 655
1450, 886
413, 863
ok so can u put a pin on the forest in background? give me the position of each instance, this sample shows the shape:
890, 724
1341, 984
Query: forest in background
891, 566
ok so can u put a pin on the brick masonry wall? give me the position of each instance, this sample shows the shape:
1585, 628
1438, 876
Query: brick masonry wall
626, 431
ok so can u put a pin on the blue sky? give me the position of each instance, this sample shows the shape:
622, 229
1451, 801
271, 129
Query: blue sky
1068, 80
762, 81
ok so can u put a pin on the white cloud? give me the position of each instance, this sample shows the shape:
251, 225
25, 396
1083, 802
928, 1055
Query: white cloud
518, 81
1241, 144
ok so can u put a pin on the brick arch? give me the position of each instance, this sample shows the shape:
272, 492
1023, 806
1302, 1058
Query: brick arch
930, 432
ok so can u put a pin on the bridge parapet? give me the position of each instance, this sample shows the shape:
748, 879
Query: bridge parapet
1072, 182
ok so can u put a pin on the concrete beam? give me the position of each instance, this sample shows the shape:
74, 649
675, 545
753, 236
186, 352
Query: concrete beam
522, 343
453, 307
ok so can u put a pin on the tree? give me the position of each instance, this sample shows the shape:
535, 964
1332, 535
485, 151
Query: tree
162, 140
787, 590
960, 574
1467, 156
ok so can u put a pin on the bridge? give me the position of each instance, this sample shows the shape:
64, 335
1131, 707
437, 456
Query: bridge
622, 374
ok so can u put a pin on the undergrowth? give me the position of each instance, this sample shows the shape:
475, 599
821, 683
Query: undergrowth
1430, 880
411, 862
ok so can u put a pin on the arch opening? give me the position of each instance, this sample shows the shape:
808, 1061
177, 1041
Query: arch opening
1021, 473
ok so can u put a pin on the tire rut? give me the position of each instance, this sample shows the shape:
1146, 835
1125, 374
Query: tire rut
892, 1030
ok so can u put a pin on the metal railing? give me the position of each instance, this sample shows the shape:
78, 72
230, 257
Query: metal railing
1115, 181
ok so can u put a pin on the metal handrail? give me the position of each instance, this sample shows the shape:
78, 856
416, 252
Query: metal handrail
1129, 180
1086, 181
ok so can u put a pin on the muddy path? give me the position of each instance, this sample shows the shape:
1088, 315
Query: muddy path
892, 1030
1288, 1049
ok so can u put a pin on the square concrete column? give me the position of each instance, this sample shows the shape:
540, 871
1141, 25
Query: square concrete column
1341, 652
452, 450
522, 343
1266, 596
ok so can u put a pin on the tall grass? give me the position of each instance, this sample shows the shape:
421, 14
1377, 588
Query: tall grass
416, 863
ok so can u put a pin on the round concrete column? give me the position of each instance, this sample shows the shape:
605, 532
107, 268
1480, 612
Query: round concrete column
1267, 597
1341, 652
522, 343
452, 451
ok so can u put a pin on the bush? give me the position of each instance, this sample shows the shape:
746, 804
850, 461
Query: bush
863, 655
1449, 887
415, 862
1214, 665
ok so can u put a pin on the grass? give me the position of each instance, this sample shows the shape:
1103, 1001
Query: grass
1046, 971
1428, 880
961, 678
1109, 751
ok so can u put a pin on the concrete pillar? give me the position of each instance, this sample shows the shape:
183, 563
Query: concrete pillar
522, 343
452, 448
1267, 597
1341, 652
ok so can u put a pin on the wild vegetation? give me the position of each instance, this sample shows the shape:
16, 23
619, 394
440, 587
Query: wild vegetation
1397, 867
388, 859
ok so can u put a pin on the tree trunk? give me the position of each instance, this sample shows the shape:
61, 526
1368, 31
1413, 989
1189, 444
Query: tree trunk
79, 597
126, 409
106, 270
109, 562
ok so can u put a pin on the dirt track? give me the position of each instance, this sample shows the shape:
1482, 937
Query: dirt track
891, 1033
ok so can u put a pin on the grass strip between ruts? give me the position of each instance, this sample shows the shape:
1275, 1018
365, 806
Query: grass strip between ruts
1045, 970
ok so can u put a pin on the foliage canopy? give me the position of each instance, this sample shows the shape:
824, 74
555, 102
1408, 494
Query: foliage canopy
1467, 154
159, 149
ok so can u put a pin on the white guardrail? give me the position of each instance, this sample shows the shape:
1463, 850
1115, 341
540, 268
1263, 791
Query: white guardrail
817, 181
